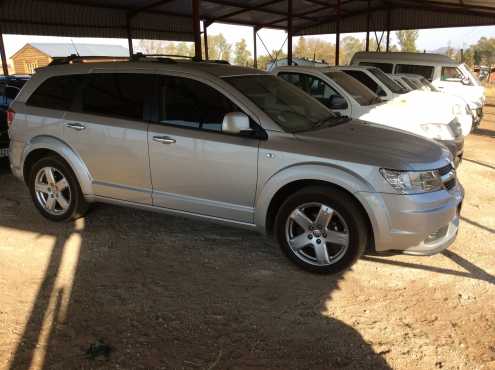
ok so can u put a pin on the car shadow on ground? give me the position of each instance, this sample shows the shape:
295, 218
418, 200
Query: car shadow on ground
484, 132
155, 291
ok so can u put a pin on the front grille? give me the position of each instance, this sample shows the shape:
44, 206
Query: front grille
445, 170
450, 184
448, 176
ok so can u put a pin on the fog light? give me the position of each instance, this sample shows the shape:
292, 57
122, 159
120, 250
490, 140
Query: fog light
434, 236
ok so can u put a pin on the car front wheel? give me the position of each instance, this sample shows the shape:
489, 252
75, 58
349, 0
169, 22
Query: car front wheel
321, 229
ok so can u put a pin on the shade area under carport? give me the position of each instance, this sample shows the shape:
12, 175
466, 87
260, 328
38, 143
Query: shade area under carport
180, 20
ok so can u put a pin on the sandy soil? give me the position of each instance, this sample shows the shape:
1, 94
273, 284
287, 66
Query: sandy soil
167, 293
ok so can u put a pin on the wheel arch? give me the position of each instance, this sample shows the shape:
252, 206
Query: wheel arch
282, 185
42, 146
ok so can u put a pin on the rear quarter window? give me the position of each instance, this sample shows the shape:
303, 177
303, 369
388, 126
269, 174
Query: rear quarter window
425, 71
56, 92
385, 67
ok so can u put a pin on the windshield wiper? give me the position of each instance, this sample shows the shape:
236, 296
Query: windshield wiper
333, 120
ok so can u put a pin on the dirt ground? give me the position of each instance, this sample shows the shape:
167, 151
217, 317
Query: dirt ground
160, 292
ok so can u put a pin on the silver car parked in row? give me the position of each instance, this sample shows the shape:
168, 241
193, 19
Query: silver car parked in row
233, 145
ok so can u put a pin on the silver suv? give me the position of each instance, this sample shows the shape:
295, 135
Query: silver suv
233, 145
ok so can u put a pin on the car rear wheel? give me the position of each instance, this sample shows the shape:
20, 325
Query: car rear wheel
55, 190
321, 229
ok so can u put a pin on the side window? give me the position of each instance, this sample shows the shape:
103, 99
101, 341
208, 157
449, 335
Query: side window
385, 67
56, 92
317, 88
325, 93
425, 71
366, 81
189, 103
121, 95
451, 73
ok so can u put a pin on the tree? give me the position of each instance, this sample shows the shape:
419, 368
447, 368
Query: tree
314, 49
241, 54
407, 39
185, 49
349, 45
218, 48
156, 47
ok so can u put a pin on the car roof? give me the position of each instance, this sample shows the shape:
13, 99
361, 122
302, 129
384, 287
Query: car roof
196, 68
324, 69
404, 57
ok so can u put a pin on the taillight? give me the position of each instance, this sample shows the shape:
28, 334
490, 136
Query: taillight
10, 117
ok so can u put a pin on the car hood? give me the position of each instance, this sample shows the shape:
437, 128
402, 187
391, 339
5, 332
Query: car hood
367, 143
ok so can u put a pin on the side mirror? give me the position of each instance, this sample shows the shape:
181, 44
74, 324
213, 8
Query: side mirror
235, 123
337, 102
466, 81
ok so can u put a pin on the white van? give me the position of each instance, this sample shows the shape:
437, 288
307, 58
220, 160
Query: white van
444, 73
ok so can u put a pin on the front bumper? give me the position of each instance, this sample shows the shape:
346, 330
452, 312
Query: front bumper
456, 147
477, 115
421, 224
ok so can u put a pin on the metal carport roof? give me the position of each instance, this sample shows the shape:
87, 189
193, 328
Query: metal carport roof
171, 19
180, 19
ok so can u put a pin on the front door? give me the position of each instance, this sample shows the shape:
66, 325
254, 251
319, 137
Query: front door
196, 167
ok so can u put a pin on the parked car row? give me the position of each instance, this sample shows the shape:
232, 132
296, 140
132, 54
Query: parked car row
284, 156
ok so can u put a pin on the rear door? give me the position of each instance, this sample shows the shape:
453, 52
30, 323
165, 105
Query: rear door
195, 166
107, 126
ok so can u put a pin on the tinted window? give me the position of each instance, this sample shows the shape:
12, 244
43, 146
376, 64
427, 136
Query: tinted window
366, 81
425, 71
189, 103
117, 94
385, 67
387, 81
313, 86
56, 92
288, 106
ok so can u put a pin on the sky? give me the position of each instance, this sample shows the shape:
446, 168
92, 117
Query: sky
428, 40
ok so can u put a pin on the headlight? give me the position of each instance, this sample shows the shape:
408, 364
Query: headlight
457, 110
437, 131
413, 182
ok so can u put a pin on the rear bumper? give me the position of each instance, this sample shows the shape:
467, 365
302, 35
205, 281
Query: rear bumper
421, 224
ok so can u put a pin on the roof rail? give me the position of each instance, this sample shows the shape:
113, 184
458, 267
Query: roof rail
172, 57
73, 58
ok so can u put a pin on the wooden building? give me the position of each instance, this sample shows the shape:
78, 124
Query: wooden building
36, 54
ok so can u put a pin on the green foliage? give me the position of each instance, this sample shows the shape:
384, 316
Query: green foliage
218, 48
314, 49
407, 40
242, 56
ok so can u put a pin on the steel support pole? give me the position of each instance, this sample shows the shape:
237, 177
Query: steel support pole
205, 38
129, 36
337, 35
255, 49
3, 56
196, 29
289, 32
388, 29
368, 19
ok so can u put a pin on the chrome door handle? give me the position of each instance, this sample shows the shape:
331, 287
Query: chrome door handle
75, 126
163, 139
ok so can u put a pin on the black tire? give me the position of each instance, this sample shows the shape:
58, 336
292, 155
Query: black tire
347, 208
77, 205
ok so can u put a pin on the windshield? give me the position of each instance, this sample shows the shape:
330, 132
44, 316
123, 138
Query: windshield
356, 89
287, 105
471, 75
387, 81
412, 83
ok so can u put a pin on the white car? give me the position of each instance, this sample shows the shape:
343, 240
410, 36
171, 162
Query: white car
344, 94
461, 106
429, 103
444, 73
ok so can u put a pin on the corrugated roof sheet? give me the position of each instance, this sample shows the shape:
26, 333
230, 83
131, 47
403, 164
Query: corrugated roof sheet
65, 49
171, 19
